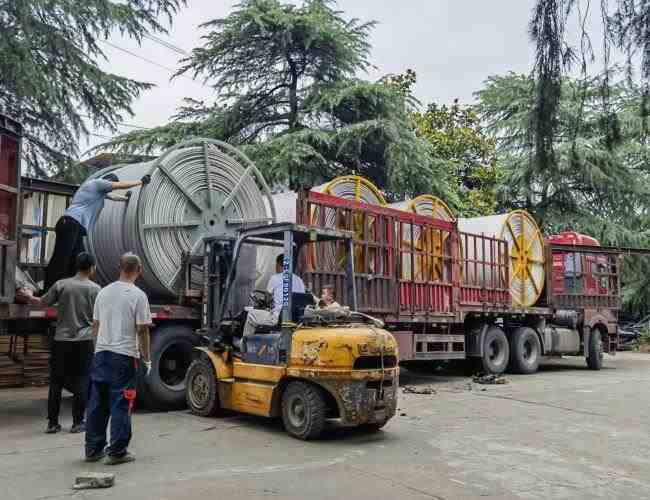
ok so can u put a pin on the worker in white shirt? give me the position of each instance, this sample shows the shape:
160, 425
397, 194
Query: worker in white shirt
275, 285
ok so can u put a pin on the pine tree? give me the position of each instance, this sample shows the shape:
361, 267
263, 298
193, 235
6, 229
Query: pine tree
600, 179
625, 26
49, 76
286, 89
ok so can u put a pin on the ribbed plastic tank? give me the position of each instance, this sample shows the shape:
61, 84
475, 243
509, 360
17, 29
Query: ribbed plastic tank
198, 188
526, 247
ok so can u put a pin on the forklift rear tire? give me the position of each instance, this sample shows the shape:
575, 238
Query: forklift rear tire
525, 351
201, 383
303, 410
595, 350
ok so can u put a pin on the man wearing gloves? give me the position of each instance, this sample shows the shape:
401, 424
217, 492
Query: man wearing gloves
121, 322
79, 220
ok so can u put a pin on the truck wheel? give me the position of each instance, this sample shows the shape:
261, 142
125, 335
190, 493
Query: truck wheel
201, 392
172, 351
525, 350
496, 351
303, 410
595, 351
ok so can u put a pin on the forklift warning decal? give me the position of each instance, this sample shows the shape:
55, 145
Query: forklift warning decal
285, 282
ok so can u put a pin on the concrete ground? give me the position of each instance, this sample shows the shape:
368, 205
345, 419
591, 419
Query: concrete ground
563, 433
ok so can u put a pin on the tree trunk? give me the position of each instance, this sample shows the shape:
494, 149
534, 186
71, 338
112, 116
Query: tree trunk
293, 112
293, 96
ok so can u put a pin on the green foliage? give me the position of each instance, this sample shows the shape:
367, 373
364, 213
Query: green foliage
49, 78
403, 82
551, 58
458, 140
599, 180
286, 91
625, 27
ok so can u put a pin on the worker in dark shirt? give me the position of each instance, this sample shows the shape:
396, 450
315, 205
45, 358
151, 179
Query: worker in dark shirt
79, 220
73, 345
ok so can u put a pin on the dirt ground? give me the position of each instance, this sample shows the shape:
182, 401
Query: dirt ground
565, 432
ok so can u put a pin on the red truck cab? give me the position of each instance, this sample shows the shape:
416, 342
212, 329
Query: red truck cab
578, 273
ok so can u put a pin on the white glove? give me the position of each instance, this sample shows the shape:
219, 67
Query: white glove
147, 365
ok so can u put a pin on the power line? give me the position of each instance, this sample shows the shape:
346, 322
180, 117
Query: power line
138, 56
169, 45
150, 61
130, 125
101, 136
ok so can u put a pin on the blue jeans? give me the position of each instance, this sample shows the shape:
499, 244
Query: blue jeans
110, 375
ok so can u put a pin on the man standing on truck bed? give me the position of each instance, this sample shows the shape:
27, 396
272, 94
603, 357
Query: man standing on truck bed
72, 350
121, 324
79, 219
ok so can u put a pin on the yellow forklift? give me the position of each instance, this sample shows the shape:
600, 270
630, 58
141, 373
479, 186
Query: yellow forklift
315, 364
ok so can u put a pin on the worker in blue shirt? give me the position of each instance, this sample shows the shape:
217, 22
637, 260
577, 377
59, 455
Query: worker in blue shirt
79, 220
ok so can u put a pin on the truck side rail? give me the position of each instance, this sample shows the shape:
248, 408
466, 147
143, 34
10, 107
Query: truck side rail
581, 276
407, 266
484, 270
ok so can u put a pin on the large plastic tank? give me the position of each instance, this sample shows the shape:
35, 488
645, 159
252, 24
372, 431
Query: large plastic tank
431, 241
526, 247
198, 188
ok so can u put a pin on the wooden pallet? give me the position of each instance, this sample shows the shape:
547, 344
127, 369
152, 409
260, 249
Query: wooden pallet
11, 372
23, 361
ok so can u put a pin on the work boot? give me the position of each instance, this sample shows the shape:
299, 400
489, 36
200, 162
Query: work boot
121, 459
96, 457
53, 428
78, 427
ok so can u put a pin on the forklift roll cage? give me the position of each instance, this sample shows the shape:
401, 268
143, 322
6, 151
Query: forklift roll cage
222, 255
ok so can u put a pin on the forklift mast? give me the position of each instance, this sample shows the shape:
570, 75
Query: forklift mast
222, 254
217, 261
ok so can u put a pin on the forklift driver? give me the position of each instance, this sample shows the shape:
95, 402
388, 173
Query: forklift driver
275, 285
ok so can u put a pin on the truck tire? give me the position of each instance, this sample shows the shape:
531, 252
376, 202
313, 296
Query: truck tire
525, 350
595, 350
201, 393
172, 351
303, 410
496, 352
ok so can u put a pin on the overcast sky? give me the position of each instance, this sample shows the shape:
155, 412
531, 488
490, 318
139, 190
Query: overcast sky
453, 45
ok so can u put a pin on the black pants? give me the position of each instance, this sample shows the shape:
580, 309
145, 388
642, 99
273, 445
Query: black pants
69, 243
69, 368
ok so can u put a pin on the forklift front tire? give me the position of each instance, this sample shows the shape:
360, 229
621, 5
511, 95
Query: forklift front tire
375, 426
201, 388
303, 410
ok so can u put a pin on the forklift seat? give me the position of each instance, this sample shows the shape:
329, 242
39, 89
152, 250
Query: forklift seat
299, 302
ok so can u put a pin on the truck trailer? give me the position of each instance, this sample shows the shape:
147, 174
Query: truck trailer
453, 305
445, 294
